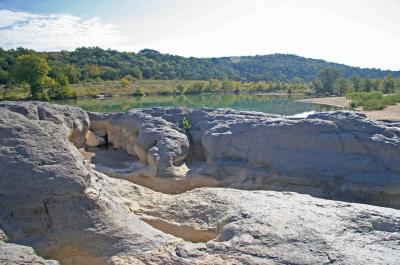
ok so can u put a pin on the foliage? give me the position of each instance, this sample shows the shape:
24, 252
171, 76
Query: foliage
138, 92
44, 82
4, 76
325, 82
374, 100
356, 83
388, 85
330, 82
125, 81
14, 93
185, 124
180, 89
73, 73
32, 69
341, 86
91, 71
368, 85
196, 87
91, 63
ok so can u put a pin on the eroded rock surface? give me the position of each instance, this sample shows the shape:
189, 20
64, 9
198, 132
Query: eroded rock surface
74, 120
339, 155
13, 254
54, 200
267, 227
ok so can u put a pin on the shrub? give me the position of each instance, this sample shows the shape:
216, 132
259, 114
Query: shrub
180, 89
185, 124
125, 82
374, 100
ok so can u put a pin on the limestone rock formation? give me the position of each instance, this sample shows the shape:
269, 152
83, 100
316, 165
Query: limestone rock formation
12, 254
54, 199
50, 198
339, 155
92, 139
267, 227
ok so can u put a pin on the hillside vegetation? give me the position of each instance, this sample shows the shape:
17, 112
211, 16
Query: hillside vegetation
91, 71
90, 63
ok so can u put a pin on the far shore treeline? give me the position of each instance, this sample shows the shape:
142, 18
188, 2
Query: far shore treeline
28, 74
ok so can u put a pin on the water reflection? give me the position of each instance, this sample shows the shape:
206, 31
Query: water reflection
277, 104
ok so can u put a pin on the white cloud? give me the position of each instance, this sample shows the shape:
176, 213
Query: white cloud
55, 32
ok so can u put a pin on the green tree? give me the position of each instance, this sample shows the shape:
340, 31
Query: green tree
73, 74
57, 84
326, 80
212, 85
91, 71
341, 86
137, 73
229, 85
32, 69
388, 85
356, 82
60, 87
196, 87
4, 76
368, 85
376, 84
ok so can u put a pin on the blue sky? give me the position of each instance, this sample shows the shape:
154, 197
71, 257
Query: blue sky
363, 33
83, 8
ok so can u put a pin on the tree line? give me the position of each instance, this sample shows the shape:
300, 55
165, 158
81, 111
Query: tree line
49, 74
96, 63
329, 81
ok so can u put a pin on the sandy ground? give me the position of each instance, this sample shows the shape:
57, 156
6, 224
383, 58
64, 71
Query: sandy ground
389, 113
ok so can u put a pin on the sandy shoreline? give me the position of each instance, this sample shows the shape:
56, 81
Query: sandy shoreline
389, 113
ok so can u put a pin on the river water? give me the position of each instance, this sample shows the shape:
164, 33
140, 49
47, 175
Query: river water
275, 104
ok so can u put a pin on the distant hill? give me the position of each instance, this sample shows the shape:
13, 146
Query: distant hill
287, 66
151, 64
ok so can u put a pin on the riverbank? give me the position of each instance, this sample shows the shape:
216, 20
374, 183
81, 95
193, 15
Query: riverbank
388, 113
162, 87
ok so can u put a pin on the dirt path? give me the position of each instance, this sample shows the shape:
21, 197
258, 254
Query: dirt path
389, 113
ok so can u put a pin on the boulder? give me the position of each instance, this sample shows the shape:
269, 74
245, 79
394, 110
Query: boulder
53, 201
74, 120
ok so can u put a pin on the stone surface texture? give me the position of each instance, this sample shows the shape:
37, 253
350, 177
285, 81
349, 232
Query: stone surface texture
13, 254
165, 196
338, 155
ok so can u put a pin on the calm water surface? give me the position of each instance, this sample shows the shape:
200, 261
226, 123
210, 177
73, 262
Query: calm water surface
276, 104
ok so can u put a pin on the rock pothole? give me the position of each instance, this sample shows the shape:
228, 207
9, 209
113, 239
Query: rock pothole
117, 163
186, 232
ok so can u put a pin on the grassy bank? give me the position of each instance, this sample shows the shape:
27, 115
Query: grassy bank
372, 100
154, 87
14, 93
